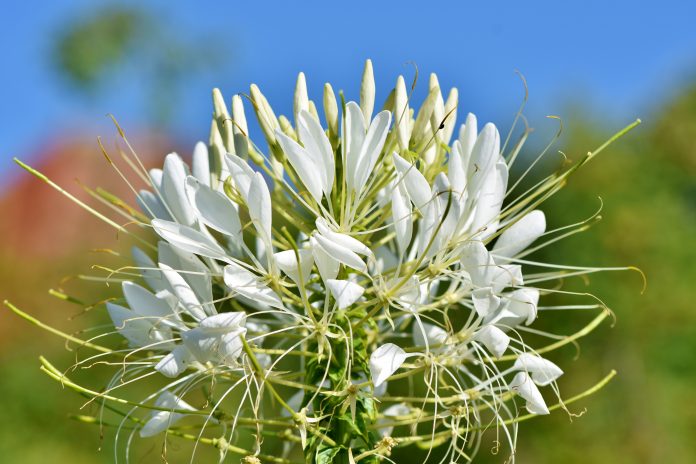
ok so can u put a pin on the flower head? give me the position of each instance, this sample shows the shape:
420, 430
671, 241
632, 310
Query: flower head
304, 288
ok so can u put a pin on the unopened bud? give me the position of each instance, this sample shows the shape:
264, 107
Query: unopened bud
223, 120
367, 92
420, 133
331, 111
450, 115
402, 114
265, 115
301, 102
286, 127
312, 108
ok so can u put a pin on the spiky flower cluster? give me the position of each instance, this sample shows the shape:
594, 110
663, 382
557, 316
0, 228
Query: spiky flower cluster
360, 287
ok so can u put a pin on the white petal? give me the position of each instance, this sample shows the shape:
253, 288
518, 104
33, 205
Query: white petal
520, 235
217, 338
191, 269
158, 423
524, 387
175, 362
467, 138
207, 345
249, 285
161, 420
456, 170
490, 201
260, 210
416, 185
241, 174
189, 239
200, 164
341, 254
448, 201
402, 216
173, 189
450, 111
385, 259
229, 321
185, 294
434, 335
477, 262
506, 275
494, 339
371, 148
432, 215
148, 269
485, 302
542, 371
261, 250
144, 303
353, 136
151, 205
327, 265
343, 240
132, 327
213, 208
384, 361
484, 155
345, 292
315, 140
409, 295
306, 165
168, 400
287, 262
523, 303
156, 178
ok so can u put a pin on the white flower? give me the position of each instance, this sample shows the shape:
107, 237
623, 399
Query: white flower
319, 264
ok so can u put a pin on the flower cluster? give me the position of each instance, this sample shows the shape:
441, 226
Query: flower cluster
360, 285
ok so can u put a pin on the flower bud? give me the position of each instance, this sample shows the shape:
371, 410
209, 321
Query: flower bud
402, 114
331, 111
264, 114
301, 100
223, 120
367, 92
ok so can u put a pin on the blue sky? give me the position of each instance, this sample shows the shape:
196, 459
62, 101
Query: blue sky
620, 58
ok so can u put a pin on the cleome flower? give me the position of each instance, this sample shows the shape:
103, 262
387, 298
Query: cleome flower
359, 286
